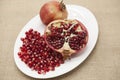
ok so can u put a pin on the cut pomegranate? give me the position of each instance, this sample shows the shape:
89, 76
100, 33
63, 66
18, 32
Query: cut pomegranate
66, 36
36, 53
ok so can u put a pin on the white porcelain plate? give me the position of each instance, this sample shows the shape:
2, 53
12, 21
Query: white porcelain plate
75, 12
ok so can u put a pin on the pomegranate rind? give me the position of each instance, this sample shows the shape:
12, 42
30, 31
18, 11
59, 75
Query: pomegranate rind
52, 10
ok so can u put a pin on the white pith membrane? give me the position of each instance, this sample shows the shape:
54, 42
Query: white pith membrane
70, 25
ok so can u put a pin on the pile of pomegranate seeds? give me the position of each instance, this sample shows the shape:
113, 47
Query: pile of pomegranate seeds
37, 55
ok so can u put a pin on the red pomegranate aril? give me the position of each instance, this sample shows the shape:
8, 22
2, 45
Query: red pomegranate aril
37, 55
57, 64
51, 68
30, 65
66, 34
65, 26
22, 39
39, 72
82, 34
45, 69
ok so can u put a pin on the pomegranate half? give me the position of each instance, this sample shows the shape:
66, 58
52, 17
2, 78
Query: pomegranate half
66, 36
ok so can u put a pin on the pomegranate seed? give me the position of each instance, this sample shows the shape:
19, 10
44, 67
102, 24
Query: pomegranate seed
65, 26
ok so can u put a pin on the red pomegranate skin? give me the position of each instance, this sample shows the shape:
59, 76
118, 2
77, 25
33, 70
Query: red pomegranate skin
52, 10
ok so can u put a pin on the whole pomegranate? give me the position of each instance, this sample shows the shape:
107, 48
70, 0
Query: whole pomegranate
66, 36
53, 10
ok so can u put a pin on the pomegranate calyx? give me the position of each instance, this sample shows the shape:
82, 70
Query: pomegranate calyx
62, 6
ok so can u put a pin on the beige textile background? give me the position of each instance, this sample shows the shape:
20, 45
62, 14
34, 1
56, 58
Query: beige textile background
103, 62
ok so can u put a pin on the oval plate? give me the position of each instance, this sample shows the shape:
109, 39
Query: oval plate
75, 12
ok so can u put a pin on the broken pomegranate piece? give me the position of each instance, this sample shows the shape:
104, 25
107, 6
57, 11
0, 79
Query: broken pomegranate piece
66, 36
35, 53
